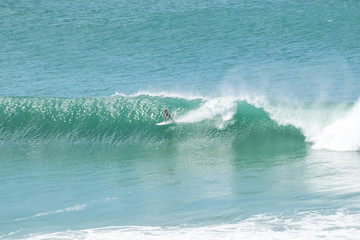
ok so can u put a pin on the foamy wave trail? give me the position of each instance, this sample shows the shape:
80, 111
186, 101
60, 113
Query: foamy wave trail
241, 121
307, 225
68, 209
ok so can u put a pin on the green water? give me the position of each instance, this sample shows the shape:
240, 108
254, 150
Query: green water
265, 99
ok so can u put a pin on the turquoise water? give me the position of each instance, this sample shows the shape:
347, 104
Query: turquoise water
265, 95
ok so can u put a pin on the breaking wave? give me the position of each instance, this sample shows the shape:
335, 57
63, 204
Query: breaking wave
131, 119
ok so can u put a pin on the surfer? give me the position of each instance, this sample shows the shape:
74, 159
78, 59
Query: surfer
166, 114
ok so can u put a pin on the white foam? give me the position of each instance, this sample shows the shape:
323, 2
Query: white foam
223, 107
68, 209
306, 225
77, 207
332, 128
11, 233
342, 135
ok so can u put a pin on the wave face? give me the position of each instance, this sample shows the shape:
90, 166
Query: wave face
122, 120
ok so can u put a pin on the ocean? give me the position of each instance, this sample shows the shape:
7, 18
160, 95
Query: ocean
265, 98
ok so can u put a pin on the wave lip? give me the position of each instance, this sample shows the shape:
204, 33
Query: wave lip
223, 107
164, 94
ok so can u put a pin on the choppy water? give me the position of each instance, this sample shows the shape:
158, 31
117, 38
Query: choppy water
265, 95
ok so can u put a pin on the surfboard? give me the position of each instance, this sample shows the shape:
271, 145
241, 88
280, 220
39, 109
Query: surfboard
165, 123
